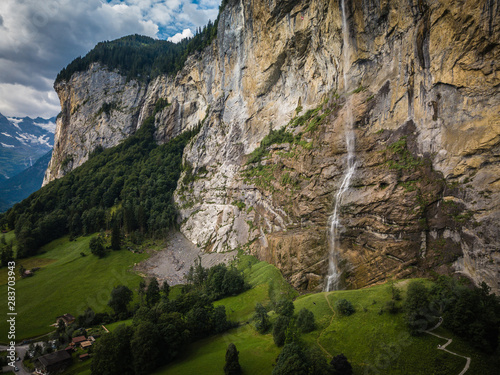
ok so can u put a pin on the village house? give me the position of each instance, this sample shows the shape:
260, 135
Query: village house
53, 362
77, 341
66, 318
85, 344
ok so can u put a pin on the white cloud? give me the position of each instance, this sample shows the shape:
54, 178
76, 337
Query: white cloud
28, 101
186, 33
39, 38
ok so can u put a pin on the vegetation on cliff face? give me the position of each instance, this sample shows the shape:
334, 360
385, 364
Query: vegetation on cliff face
137, 178
141, 57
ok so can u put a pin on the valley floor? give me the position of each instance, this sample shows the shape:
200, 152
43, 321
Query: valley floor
374, 340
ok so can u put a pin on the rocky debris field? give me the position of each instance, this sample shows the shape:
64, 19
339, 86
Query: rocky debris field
172, 263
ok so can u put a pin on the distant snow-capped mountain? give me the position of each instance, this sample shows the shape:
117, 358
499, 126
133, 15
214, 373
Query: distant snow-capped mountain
19, 187
23, 140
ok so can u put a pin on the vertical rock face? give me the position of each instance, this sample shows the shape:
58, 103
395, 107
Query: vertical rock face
425, 195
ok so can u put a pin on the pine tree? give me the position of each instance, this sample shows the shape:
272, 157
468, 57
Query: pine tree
340, 365
152, 293
232, 366
115, 236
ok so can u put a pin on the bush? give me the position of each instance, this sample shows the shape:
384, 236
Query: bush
97, 246
305, 321
344, 307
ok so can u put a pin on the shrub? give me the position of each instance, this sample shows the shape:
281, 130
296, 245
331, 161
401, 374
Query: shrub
97, 246
344, 307
305, 321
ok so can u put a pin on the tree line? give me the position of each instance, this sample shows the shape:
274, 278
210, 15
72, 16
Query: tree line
136, 178
470, 312
142, 58
163, 326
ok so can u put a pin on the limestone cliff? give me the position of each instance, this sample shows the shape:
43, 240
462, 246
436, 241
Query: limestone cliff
426, 193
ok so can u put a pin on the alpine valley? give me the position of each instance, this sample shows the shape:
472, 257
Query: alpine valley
327, 151
424, 94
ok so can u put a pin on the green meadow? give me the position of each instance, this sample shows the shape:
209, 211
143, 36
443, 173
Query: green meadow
374, 340
66, 283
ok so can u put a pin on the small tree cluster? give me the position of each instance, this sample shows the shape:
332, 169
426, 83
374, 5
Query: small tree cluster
218, 281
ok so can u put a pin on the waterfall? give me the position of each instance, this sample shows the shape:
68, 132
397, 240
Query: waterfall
334, 225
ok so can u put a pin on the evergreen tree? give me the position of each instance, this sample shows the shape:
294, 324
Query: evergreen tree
112, 353
165, 289
291, 361
340, 365
142, 290
416, 307
232, 366
279, 330
145, 347
285, 307
152, 292
97, 246
261, 319
115, 236
305, 321
121, 296
7, 255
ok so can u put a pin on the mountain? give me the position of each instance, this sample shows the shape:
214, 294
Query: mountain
19, 187
351, 141
23, 141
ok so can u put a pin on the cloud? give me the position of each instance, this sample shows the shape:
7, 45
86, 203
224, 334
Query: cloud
33, 102
186, 33
39, 38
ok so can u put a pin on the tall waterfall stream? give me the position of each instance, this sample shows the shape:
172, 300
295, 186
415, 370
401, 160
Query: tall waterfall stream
334, 225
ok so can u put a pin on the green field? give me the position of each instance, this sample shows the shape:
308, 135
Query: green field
257, 354
66, 283
374, 341
111, 327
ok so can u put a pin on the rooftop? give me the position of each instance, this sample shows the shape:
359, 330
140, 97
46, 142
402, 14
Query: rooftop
53, 358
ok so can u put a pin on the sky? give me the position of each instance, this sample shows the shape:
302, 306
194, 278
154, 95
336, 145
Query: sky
40, 37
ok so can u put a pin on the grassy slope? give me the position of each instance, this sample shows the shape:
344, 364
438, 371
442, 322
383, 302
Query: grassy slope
374, 343
67, 283
111, 327
257, 352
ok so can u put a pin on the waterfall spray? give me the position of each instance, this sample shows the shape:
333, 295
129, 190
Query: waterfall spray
334, 273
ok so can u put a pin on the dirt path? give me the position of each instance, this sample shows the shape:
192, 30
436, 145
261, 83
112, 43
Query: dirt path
173, 262
443, 347
331, 320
